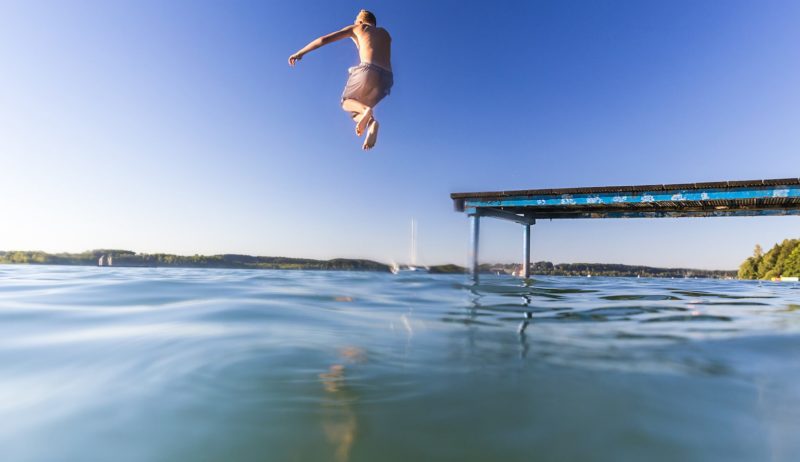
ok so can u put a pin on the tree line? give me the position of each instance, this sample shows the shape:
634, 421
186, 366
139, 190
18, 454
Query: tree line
615, 269
781, 260
546, 268
128, 258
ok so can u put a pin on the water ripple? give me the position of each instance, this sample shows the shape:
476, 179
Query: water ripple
95, 357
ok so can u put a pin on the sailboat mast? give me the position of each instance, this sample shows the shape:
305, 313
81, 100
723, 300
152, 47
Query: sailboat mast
413, 242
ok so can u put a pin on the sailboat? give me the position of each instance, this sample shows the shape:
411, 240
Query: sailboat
413, 265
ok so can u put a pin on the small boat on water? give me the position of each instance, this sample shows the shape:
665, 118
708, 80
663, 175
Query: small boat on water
786, 279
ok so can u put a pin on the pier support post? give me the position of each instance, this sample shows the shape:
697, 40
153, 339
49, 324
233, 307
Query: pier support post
526, 252
474, 241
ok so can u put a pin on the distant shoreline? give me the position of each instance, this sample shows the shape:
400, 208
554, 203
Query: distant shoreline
546, 268
129, 259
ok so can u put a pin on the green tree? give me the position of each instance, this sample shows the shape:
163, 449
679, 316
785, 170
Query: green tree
749, 269
791, 266
768, 262
786, 248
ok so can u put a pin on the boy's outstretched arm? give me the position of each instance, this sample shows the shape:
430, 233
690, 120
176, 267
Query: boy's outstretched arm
324, 40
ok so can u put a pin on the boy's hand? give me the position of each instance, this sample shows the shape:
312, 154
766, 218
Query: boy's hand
294, 58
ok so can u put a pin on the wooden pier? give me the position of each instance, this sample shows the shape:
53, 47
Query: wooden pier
715, 199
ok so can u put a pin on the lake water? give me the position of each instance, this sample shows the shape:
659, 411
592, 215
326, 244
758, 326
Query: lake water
146, 364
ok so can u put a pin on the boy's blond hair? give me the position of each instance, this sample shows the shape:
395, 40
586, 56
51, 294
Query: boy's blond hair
367, 17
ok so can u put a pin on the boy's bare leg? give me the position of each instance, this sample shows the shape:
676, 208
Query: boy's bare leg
372, 135
362, 114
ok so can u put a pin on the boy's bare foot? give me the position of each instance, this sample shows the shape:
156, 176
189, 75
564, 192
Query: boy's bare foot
361, 123
372, 135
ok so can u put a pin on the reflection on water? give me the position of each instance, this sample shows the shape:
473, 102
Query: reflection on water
175, 364
339, 419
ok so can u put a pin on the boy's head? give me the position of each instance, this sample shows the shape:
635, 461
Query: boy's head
366, 17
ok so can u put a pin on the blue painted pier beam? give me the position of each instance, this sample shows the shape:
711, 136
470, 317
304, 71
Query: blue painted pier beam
713, 199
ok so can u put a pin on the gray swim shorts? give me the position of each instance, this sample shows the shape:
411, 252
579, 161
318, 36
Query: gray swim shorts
368, 84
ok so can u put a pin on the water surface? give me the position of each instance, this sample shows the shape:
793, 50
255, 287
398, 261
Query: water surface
133, 364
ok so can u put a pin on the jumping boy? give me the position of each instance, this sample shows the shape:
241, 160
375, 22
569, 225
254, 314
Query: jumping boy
370, 81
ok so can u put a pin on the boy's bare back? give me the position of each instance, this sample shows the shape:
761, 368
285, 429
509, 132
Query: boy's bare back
374, 45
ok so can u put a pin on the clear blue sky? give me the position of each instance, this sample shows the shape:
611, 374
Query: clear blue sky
179, 127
